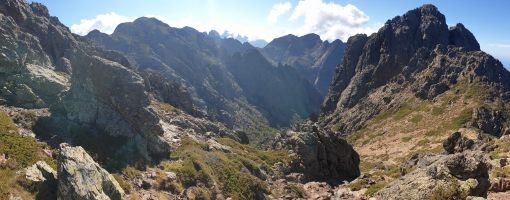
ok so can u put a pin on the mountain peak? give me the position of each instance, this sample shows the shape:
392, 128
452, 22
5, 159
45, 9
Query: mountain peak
311, 36
425, 26
429, 9
149, 20
399, 50
461, 36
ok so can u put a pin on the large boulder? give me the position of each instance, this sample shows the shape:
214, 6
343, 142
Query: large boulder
320, 155
456, 143
110, 98
44, 178
81, 178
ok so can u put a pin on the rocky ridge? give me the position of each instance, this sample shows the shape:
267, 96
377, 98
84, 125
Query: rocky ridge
397, 94
420, 58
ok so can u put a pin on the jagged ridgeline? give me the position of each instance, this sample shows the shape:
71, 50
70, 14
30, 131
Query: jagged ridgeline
413, 62
404, 89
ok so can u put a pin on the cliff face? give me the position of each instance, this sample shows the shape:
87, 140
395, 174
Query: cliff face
32, 52
87, 88
413, 55
313, 58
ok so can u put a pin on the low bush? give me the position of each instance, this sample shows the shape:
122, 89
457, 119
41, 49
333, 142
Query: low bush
374, 188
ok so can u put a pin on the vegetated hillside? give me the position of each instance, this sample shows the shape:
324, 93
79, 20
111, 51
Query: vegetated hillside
406, 88
228, 81
313, 58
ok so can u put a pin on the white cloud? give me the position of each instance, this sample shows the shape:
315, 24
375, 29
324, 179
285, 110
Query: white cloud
105, 23
277, 10
330, 20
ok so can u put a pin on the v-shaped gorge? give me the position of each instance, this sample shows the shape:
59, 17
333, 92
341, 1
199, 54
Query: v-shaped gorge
226, 80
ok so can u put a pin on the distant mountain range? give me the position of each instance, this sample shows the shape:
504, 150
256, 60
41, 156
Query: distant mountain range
226, 79
313, 58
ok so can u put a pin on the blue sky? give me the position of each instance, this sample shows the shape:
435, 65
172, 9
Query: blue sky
263, 19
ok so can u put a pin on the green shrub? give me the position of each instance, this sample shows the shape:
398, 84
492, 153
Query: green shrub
503, 172
241, 185
416, 118
433, 133
403, 111
423, 142
355, 186
61, 73
6, 124
162, 106
448, 190
374, 188
23, 150
131, 172
406, 139
464, 117
438, 110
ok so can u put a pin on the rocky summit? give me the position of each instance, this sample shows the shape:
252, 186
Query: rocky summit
149, 111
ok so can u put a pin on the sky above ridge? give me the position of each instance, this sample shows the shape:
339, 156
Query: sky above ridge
264, 19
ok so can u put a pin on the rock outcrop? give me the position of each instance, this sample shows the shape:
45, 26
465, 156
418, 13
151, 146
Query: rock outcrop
320, 154
184, 124
490, 121
458, 174
105, 96
456, 143
500, 185
413, 55
81, 178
